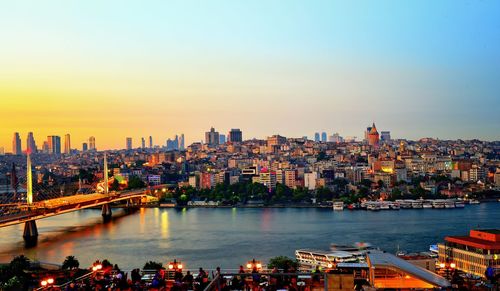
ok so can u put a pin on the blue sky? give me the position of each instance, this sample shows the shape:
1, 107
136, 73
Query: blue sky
416, 68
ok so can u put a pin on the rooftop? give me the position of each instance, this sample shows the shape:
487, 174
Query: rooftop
378, 259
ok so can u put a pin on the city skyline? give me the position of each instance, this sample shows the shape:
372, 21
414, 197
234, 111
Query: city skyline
267, 68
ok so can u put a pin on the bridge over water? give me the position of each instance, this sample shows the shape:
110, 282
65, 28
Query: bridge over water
28, 211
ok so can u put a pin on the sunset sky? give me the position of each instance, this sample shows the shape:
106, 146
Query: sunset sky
114, 69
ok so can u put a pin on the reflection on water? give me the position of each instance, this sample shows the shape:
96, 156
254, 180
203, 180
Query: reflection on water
230, 236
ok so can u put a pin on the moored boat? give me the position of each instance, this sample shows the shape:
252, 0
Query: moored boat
426, 204
438, 204
309, 258
449, 203
338, 205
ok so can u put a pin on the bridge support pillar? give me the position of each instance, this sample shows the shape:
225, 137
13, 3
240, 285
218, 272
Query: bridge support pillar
106, 212
30, 233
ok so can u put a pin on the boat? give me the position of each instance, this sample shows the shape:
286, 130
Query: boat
405, 204
426, 204
459, 204
338, 205
394, 206
309, 258
373, 206
474, 201
417, 204
449, 203
384, 205
438, 203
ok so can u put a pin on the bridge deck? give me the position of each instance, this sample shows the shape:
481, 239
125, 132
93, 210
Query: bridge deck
57, 206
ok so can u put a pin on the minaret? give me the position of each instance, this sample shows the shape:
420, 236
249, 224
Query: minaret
106, 187
29, 181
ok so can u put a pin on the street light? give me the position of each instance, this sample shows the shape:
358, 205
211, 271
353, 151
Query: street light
254, 264
47, 283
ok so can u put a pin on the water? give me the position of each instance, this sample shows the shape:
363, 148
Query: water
229, 237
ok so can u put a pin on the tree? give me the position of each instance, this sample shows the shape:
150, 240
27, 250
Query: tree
365, 182
135, 182
324, 194
321, 156
70, 263
115, 186
152, 265
19, 264
282, 262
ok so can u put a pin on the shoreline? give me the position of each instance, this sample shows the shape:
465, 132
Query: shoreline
160, 205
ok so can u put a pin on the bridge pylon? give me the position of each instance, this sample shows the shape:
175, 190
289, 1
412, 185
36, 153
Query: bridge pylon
30, 233
106, 212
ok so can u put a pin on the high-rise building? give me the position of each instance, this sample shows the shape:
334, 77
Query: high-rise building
335, 138
323, 136
182, 144
316, 137
129, 143
150, 142
16, 144
2, 151
67, 144
85, 147
222, 138
176, 142
212, 137
30, 143
143, 143
92, 143
54, 144
385, 135
235, 135
45, 147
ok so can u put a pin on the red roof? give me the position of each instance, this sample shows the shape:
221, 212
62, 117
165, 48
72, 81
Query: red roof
474, 242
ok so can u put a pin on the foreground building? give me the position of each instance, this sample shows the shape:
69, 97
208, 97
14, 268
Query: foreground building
472, 254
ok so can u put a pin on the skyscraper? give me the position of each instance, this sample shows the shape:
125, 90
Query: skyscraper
143, 143
150, 142
176, 142
212, 137
30, 143
45, 147
67, 144
182, 142
54, 144
85, 147
92, 143
129, 143
323, 136
222, 138
385, 135
235, 135
16, 144
316, 137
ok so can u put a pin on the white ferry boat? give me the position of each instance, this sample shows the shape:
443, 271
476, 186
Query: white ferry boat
384, 205
459, 204
309, 258
405, 204
426, 204
394, 206
338, 205
474, 201
417, 204
373, 206
438, 203
449, 204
